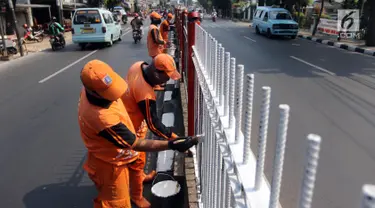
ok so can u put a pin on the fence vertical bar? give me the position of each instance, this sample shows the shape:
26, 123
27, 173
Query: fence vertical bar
232, 92
224, 185
248, 116
311, 166
368, 196
262, 137
239, 95
221, 81
191, 78
226, 83
279, 155
216, 172
206, 51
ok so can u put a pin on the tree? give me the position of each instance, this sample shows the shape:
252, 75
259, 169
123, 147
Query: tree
318, 19
111, 3
370, 36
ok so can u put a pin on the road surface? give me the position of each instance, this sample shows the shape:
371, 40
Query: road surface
41, 152
330, 92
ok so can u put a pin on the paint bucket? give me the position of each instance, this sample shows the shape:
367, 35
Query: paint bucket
165, 190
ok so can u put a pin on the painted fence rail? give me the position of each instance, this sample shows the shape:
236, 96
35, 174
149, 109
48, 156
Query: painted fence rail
228, 173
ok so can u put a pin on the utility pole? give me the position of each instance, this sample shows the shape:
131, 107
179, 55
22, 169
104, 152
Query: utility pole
11, 7
2, 37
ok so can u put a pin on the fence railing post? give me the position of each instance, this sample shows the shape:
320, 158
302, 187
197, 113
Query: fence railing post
232, 91
262, 137
248, 117
279, 156
239, 96
191, 78
311, 166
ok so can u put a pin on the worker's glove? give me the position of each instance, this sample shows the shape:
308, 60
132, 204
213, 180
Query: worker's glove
183, 143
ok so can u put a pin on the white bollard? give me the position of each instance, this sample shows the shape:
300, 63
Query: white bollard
311, 166
262, 138
238, 106
248, 117
279, 156
232, 91
226, 83
368, 196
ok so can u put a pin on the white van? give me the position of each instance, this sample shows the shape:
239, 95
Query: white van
94, 25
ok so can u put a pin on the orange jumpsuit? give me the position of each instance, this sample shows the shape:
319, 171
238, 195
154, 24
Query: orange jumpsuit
164, 29
155, 42
110, 154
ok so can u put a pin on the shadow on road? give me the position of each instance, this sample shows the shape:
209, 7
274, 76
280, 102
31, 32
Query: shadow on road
63, 195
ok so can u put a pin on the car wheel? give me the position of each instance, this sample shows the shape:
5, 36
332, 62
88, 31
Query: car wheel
269, 34
53, 47
257, 30
82, 45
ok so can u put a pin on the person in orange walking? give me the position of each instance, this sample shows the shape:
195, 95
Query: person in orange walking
109, 135
165, 28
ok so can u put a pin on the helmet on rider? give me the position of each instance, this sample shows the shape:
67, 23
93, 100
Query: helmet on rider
136, 15
54, 19
24, 25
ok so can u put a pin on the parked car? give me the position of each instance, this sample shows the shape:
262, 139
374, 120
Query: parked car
274, 22
94, 25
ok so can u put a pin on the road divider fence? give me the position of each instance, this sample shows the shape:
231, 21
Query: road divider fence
228, 173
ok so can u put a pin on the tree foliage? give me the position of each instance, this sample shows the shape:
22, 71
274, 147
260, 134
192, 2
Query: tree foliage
111, 3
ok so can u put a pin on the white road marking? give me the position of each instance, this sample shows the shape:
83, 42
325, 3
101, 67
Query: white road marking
249, 39
74, 63
296, 44
312, 65
67, 67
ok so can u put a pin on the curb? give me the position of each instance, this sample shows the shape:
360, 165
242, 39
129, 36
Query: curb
339, 45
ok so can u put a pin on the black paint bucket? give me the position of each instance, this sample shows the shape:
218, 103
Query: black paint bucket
166, 191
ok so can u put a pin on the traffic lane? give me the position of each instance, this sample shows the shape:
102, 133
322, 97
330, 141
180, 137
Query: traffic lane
319, 107
42, 151
19, 76
329, 59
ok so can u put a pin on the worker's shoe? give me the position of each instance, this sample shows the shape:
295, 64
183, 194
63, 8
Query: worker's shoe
158, 88
141, 203
149, 177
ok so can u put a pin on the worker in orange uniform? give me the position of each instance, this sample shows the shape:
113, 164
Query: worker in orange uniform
155, 42
165, 28
109, 136
140, 99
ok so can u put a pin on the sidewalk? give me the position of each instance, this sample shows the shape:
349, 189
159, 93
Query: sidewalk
347, 44
34, 47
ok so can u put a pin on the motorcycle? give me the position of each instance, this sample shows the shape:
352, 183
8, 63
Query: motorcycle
213, 18
56, 43
137, 35
34, 36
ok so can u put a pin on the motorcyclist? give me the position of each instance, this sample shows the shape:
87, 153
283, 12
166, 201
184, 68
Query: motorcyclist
56, 30
137, 22
28, 31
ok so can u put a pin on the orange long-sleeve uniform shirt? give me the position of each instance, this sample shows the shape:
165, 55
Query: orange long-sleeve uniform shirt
140, 102
164, 29
155, 42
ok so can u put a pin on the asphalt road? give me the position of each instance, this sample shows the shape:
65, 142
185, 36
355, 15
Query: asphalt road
41, 152
330, 92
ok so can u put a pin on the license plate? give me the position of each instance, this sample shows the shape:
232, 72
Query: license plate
87, 30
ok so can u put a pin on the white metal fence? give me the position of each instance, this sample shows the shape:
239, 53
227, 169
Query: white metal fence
228, 173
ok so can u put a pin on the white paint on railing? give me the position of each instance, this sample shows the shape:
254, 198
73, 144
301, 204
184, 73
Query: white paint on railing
248, 116
239, 103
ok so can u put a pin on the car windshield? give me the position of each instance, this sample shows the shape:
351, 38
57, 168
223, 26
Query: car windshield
280, 15
87, 17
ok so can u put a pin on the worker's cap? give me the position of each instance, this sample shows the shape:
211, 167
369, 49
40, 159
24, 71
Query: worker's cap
170, 15
165, 62
155, 15
99, 77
